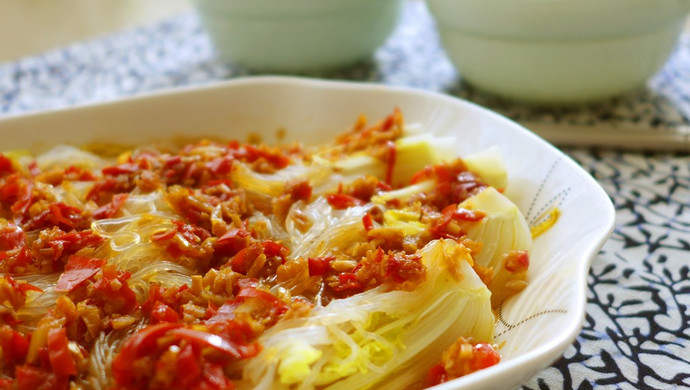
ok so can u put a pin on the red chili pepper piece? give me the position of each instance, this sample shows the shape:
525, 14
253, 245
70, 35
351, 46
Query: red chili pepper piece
77, 271
78, 174
21, 259
450, 213
163, 235
272, 248
188, 369
60, 358
439, 228
421, 175
221, 165
484, 356
32, 378
72, 242
172, 161
443, 174
277, 158
383, 186
437, 375
62, 214
343, 201
193, 170
218, 182
6, 165
164, 313
14, 345
139, 344
368, 222
319, 265
208, 340
388, 122
243, 259
57, 214
34, 170
25, 287
279, 306
121, 298
24, 199
390, 161
110, 209
107, 185
223, 314
233, 241
461, 214
517, 261
348, 281
248, 282
455, 364
300, 190
22, 287
11, 237
120, 169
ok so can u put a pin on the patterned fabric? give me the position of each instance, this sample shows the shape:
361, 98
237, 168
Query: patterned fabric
636, 334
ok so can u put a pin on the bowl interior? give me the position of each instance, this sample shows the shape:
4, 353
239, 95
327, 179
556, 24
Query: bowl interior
533, 328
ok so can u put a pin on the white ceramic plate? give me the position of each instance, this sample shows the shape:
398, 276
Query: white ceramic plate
534, 328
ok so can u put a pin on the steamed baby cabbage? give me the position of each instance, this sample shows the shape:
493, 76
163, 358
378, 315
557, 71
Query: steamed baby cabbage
379, 336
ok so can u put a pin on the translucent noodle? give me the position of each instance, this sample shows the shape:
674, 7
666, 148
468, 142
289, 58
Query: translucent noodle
321, 173
72, 193
108, 227
330, 230
129, 246
100, 360
268, 227
146, 203
165, 273
37, 303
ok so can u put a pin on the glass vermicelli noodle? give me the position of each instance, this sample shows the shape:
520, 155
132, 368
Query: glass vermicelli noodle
375, 260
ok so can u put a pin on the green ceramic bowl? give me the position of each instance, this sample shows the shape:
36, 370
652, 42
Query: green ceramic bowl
558, 51
298, 35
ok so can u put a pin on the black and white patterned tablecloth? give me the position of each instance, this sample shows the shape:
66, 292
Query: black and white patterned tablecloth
637, 329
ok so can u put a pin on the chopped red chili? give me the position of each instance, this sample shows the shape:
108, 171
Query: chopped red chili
14, 345
436, 375
135, 347
343, 201
221, 165
61, 359
233, 241
368, 222
121, 169
274, 157
6, 165
77, 271
319, 265
110, 209
276, 304
390, 161
517, 261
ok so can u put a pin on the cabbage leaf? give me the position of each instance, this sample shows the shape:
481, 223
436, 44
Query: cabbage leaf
381, 335
502, 230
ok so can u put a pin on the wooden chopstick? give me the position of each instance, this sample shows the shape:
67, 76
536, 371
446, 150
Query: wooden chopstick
626, 138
